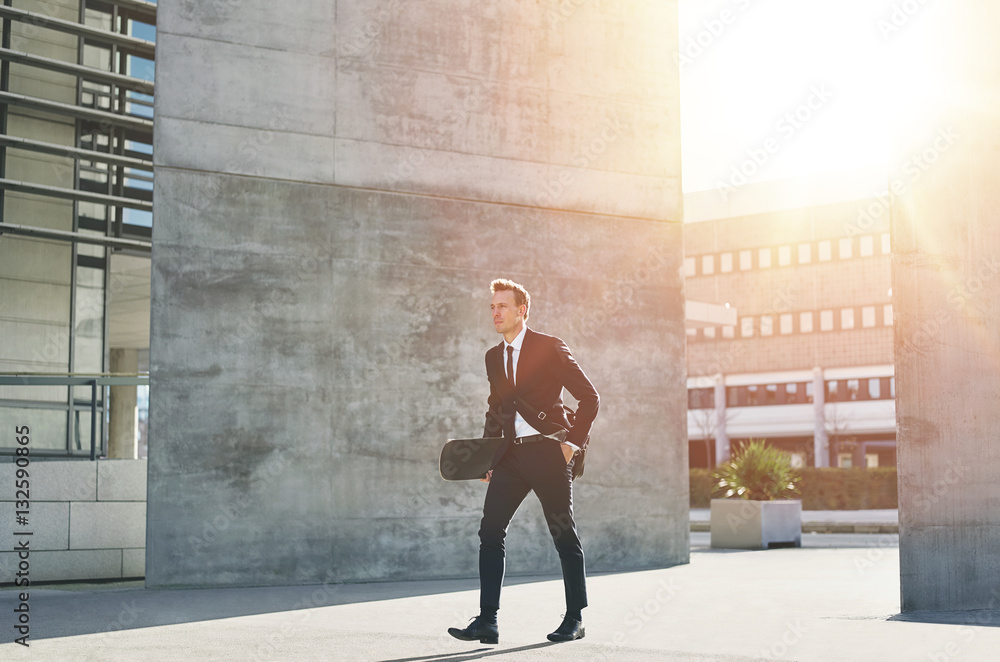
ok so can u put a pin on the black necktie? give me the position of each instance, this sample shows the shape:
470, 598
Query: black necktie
509, 426
510, 366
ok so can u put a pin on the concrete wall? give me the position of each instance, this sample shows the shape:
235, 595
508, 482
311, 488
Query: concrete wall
87, 520
333, 197
947, 296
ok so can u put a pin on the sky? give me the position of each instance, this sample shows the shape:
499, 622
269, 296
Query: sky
772, 89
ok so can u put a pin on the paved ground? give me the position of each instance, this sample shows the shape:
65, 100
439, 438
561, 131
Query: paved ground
826, 521
837, 598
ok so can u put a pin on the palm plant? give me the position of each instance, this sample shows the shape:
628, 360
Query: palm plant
757, 472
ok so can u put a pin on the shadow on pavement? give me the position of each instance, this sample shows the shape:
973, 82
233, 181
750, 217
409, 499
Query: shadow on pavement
477, 654
980, 617
70, 610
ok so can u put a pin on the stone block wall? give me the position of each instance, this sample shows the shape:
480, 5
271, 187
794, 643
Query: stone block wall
87, 520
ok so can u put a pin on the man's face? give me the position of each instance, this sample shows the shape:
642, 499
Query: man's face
507, 316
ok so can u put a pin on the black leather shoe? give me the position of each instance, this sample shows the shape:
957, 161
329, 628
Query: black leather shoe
569, 630
486, 633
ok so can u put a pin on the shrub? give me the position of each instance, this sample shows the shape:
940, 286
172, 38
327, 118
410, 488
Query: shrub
849, 489
757, 472
822, 488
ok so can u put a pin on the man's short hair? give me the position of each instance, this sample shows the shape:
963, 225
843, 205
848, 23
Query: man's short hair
521, 296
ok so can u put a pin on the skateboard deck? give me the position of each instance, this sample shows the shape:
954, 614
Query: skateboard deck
468, 459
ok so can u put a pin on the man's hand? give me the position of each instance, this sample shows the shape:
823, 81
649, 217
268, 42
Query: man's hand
489, 474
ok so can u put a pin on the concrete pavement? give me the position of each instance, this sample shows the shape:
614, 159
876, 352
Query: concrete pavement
802, 604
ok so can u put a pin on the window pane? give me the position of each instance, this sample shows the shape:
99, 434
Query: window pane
826, 320
806, 322
845, 248
771, 394
746, 260
735, 396
753, 393
787, 322
28, 346
81, 431
832, 389
88, 344
868, 317
853, 389
847, 318
746, 327
887, 314
139, 67
46, 427
766, 325
886, 244
701, 398
874, 389
689, 266
707, 265
764, 258
97, 57
726, 263
805, 253
710, 332
784, 256
825, 251
867, 246
729, 332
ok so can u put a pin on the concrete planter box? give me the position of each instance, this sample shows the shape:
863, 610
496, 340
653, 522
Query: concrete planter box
742, 524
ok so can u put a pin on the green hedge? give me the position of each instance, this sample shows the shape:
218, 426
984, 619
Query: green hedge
823, 489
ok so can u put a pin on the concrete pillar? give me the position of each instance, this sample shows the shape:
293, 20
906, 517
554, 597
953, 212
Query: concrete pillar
821, 440
946, 295
336, 185
123, 423
721, 436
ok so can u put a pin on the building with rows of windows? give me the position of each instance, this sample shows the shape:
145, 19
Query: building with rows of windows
809, 364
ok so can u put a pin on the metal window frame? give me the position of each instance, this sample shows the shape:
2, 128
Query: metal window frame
140, 47
96, 382
113, 194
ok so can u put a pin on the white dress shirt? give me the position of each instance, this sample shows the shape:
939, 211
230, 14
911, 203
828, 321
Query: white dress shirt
521, 427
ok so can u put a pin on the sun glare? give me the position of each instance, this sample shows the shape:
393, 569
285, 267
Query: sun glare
779, 89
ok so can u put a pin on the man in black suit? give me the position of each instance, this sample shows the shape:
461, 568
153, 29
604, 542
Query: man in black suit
527, 373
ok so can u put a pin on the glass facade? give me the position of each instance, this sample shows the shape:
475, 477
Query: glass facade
76, 186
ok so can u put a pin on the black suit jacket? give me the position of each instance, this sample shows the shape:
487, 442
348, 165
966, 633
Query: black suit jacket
544, 367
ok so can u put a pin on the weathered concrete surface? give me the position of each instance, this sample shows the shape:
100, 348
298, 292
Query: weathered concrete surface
320, 315
947, 301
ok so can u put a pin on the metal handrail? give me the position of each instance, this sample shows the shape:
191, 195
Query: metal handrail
135, 122
77, 379
17, 142
77, 237
140, 47
50, 64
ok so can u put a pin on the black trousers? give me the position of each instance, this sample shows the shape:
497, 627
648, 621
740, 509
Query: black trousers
538, 466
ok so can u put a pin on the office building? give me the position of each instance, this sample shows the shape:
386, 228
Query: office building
809, 363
